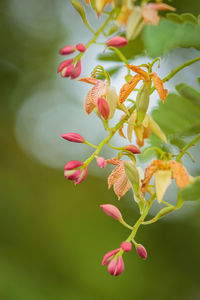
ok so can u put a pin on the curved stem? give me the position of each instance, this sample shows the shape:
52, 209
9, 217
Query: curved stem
178, 69
184, 150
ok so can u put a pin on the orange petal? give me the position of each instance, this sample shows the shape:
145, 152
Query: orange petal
127, 88
150, 12
89, 80
149, 171
121, 186
139, 71
180, 174
89, 103
159, 86
115, 175
162, 6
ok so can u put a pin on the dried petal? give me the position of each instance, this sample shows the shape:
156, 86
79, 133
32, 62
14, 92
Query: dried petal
121, 186
115, 175
180, 174
143, 74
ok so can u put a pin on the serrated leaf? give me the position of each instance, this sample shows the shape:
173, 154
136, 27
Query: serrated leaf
174, 17
179, 116
187, 17
169, 35
192, 191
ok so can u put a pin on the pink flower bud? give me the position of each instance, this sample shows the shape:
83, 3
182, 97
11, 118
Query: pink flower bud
73, 174
81, 47
109, 256
126, 246
64, 64
101, 162
111, 211
103, 108
73, 164
132, 149
116, 266
77, 70
82, 176
67, 50
66, 72
117, 41
73, 137
141, 251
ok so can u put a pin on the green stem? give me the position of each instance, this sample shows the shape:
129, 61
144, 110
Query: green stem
126, 225
96, 35
120, 54
108, 138
178, 69
89, 144
192, 143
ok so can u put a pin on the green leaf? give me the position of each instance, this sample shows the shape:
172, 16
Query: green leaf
179, 116
192, 191
174, 17
169, 35
187, 17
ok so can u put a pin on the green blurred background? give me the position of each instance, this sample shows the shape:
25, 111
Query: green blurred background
53, 235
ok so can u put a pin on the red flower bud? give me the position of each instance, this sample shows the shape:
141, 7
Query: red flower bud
82, 176
132, 149
66, 72
117, 41
67, 50
116, 266
141, 251
77, 70
81, 47
103, 108
111, 211
126, 246
109, 256
73, 137
64, 64
73, 164
72, 174
101, 162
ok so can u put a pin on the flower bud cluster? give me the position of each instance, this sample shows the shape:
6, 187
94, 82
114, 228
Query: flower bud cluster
71, 67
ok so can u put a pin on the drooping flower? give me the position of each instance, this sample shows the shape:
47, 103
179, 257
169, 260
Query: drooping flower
164, 172
109, 256
150, 12
77, 70
116, 266
127, 88
73, 171
103, 108
142, 131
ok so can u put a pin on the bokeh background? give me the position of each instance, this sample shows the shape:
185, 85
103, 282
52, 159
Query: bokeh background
53, 235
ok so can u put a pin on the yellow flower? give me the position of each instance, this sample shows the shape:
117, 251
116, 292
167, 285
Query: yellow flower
164, 172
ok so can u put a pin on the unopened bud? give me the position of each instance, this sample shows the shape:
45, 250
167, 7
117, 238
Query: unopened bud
101, 162
112, 211
132, 149
73, 164
142, 103
81, 47
67, 50
64, 64
141, 251
77, 70
116, 266
117, 41
103, 108
66, 72
126, 246
73, 137
109, 256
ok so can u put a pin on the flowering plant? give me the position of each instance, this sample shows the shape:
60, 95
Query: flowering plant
124, 16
